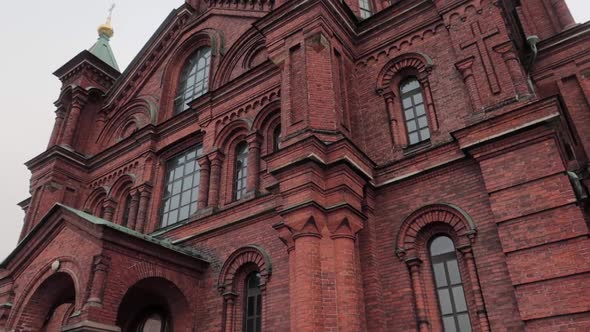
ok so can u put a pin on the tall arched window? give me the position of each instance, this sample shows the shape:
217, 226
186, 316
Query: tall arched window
449, 286
276, 138
253, 304
194, 79
241, 170
365, 8
415, 116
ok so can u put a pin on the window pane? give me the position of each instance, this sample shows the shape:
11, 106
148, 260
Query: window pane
453, 269
414, 138
425, 134
251, 306
417, 98
412, 126
439, 274
186, 198
422, 122
250, 325
175, 202
445, 301
407, 103
183, 213
449, 323
409, 114
410, 85
441, 245
459, 299
189, 168
420, 110
464, 324
176, 187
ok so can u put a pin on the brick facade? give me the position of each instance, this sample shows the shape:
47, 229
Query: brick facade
340, 209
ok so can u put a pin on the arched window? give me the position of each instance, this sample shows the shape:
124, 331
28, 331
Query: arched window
241, 170
194, 79
449, 286
153, 321
365, 8
253, 304
276, 138
415, 116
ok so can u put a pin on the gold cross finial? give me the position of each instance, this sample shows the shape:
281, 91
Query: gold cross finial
111, 13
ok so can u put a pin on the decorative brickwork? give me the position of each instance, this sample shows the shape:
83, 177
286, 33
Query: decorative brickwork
141, 212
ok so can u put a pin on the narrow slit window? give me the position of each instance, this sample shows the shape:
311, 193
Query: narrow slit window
449, 286
276, 138
253, 304
241, 171
415, 116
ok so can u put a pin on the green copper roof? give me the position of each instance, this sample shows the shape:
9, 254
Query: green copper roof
102, 50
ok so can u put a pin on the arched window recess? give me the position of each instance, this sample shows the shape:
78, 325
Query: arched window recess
242, 283
435, 242
404, 85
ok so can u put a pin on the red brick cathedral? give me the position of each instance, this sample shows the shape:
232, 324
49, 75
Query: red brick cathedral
316, 165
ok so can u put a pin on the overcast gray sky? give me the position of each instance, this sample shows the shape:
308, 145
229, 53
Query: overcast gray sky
37, 38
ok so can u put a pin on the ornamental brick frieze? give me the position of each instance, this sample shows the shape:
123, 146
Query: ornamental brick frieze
111, 177
247, 109
390, 50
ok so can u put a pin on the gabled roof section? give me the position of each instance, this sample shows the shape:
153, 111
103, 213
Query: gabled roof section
102, 50
48, 222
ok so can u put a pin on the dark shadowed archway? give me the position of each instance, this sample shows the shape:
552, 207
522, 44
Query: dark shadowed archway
50, 305
154, 302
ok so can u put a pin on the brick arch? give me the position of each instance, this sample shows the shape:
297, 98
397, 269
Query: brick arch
155, 291
229, 133
452, 216
265, 122
94, 201
139, 112
45, 290
240, 258
418, 63
173, 68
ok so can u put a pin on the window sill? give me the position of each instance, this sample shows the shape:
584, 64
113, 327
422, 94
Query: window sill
417, 147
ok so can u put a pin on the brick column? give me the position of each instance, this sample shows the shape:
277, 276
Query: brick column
563, 14
100, 269
230, 304
133, 207
397, 133
347, 292
465, 68
253, 179
109, 210
428, 101
60, 115
72, 121
514, 68
144, 199
475, 288
216, 160
307, 292
414, 265
205, 171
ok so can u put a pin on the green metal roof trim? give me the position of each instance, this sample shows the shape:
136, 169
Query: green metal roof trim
166, 244
102, 50
99, 221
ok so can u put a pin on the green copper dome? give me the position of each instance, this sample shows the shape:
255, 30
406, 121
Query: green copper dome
102, 49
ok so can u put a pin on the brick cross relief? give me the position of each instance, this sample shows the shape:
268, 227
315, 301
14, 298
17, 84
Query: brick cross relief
479, 41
